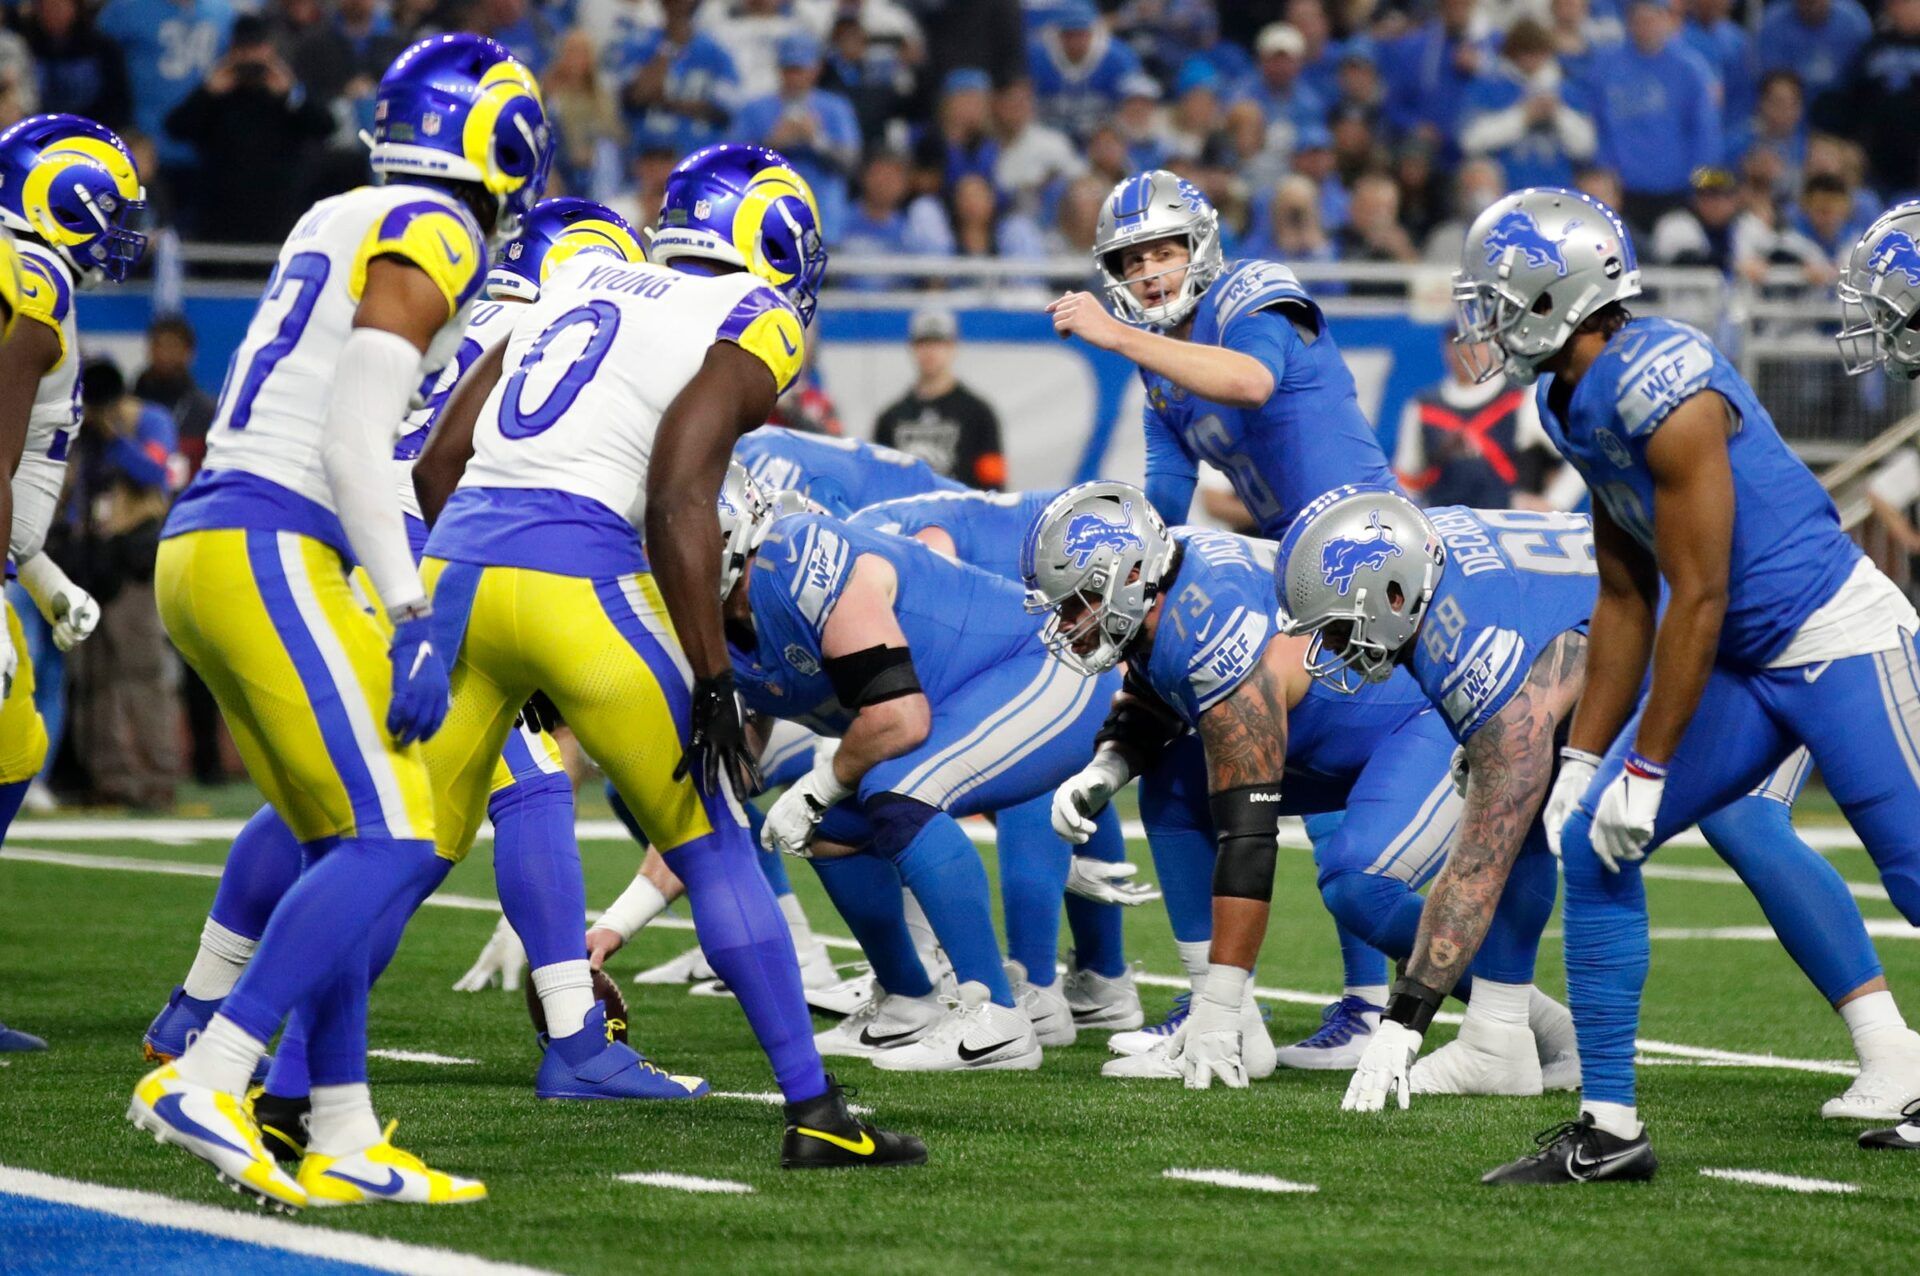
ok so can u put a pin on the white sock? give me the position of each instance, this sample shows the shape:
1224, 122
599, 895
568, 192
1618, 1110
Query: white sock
1193, 959
1505, 1004
796, 922
216, 967
1372, 994
566, 993
222, 1058
1226, 987
1875, 1023
343, 1121
921, 929
1622, 1120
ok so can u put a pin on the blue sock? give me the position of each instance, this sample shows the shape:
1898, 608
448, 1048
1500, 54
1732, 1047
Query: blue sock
325, 921
11, 796
1099, 942
747, 943
1804, 897
625, 815
1180, 838
337, 1029
941, 868
288, 1078
1605, 919
1033, 882
261, 867
772, 863
536, 868
865, 889
1512, 944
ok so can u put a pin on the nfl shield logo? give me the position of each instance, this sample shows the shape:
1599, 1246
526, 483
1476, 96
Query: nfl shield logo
431, 124
1616, 450
703, 209
800, 658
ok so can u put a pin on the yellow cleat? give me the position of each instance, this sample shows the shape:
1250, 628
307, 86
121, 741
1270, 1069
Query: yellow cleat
216, 1127
383, 1173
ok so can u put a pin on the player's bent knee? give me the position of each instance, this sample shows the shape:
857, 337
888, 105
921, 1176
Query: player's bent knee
1361, 902
1903, 888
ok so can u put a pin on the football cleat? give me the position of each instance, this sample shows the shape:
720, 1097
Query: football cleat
1486, 1058
1142, 1040
1579, 1152
215, 1127
14, 1041
845, 997
616, 1071
1345, 1028
975, 1035
887, 1021
1903, 1137
1047, 1007
282, 1122
180, 1024
689, 967
383, 1173
816, 967
823, 1134
1157, 1064
1883, 1090
1102, 1001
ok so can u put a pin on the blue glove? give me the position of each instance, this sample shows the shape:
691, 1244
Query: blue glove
419, 683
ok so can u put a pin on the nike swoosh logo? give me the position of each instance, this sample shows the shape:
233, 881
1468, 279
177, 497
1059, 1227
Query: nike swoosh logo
1206, 630
1813, 672
1580, 1168
454, 255
786, 343
867, 1038
863, 1148
393, 1184
969, 1055
169, 1109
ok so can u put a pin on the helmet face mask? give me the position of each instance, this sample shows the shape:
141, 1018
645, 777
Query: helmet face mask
745, 514
1879, 292
1141, 210
1093, 562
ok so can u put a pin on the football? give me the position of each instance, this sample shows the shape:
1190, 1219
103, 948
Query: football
604, 989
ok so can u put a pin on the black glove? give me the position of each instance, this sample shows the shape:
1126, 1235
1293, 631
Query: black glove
718, 743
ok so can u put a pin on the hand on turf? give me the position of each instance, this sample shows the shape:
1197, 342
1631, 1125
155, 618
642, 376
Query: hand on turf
75, 616
1077, 803
795, 818
1623, 820
1383, 1069
1108, 883
718, 746
503, 956
1576, 776
602, 944
1211, 1050
419, 683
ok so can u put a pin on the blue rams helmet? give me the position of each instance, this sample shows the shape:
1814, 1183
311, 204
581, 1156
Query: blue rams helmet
556, 231
70, 183
747, 207
460, 108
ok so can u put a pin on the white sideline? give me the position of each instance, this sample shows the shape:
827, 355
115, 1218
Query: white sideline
254, 1228
686, 1183
421, 1056
1234, 1178
1791, 1182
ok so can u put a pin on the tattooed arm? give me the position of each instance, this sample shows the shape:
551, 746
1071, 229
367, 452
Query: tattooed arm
1246, 740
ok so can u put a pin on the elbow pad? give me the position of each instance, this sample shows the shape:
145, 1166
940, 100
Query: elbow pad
1141, 725
1246, 824
872, 676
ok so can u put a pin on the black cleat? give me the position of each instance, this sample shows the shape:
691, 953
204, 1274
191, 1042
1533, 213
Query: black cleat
823, 1135
283, 1125
1580, 1152
1904, 1137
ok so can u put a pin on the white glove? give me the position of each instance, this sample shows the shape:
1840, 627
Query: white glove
1623, 821
9, 663
503, 956
1383, 1069
70, 609
795, 818
1212, 1047
1078, 802
1107, 883
1576, 776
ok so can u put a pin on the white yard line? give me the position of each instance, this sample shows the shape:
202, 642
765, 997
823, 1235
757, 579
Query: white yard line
1234, 1178
1727, 877
253, 1227
1791, 1182
687, 1183
421, 1056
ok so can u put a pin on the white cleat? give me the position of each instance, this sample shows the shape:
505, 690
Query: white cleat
1485, 1058
383, 1174
1141, 1040
1047, 1007
1156, 1064
1554, 1043
816, 968
216, 1127
974, 1035
1099, 1001
883, 1023
846, 996
1883, 1089
689, 967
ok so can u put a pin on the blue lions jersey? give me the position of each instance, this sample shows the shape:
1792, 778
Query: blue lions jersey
1308, 438
1216, 624
1513, 582
840, 475
988, 528
958, 620
1789, 554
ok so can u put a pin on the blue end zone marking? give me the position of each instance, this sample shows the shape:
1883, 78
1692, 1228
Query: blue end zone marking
44, 1236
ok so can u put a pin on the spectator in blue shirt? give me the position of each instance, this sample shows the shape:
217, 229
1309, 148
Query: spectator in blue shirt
1658, 108
170, 47
1077, 69
1816, 39
814, 128
873, 76
1829, 215
82, 72
524, 29
1278, 90
1778, 125
882, 221
680, 84
960, 141
1429, 70
1526, 116
1724, 43
1320, 63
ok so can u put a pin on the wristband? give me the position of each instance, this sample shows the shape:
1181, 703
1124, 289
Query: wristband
825, 787
1645, 768
1413, 1005
1570, 754
639, 904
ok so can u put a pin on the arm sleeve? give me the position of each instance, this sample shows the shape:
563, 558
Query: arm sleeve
1171, 473
377, 373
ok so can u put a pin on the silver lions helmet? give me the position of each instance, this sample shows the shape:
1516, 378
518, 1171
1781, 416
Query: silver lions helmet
1536, 265
1880, 296
1093, 560
745, 515
1157, 205
1356, 571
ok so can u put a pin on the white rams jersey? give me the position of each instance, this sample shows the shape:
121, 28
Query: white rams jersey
273, 407
46, 296
593, 365
490, 321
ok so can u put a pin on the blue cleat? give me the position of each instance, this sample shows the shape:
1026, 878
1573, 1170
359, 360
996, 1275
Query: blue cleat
613, 1070
1141, 1040
180, 1025
14, 1041
1345, 1028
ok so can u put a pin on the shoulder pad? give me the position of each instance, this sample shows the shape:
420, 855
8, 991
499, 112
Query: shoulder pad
818, 562
765, 326
1252, 286
46, 291
1658, 369
434, 233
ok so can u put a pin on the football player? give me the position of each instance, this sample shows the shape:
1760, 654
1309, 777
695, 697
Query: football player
839, 475
371, 294
535, 479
